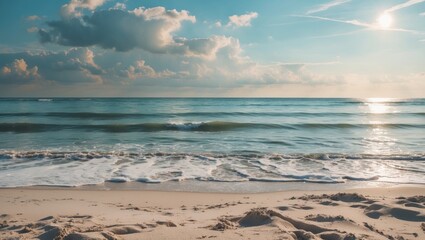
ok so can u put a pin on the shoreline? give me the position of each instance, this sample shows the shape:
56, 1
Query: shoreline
82, 213
247, 187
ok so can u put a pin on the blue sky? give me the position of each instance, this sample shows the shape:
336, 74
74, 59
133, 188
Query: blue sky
246, 48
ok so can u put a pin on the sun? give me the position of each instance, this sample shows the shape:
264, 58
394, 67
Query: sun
385, 20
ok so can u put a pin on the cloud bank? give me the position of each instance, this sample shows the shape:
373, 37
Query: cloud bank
18, 72
150, 29
66, 67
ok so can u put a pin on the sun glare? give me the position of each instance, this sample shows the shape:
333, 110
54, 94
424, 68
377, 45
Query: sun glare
385, 20
378, 105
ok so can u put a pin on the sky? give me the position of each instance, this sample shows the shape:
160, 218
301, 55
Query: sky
220, 48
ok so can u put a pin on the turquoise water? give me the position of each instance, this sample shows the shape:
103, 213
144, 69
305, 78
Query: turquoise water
87, 141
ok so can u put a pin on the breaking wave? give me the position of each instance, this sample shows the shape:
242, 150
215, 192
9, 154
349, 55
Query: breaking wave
73, 168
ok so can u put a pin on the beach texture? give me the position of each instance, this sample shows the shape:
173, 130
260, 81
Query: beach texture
373, 213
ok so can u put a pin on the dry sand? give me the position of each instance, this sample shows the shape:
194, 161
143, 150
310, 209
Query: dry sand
373, 213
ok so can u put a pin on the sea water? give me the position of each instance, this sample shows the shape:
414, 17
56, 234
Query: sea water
79, 141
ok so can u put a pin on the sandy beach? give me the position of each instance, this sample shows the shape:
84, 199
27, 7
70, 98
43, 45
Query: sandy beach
70, 213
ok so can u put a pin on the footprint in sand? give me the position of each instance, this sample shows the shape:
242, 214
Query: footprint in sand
294, 229
328, 203
302, 207
53, 232
205, 236
361, 206
166, 223
415, 201
283, 208
77, 216
124, 230
377, 210
48, 218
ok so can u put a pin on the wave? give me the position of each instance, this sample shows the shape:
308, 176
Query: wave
88, 155
74, 168
213, 126
118, 116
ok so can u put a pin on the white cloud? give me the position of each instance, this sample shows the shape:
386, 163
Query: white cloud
71, 66
327, 5
422, 14
120, 6
150, 29
79, 61
72, 8
403, 5
18, 71
206, 48
87, 73
140, 71
160, 13
243, 20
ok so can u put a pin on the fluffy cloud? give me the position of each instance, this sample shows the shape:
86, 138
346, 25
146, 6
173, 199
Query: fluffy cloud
121, 6
242, 20
140, 70
81, 68
72, 8
18, 72
206, 48
71, 66
230, 68
149, 29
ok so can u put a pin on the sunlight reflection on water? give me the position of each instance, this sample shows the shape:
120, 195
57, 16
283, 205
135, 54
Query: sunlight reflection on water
378, 140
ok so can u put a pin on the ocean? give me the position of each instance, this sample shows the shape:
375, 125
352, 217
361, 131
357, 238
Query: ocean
81, 141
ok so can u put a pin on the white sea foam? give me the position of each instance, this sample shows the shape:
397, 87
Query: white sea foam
71, 173
184, 126
93, 167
